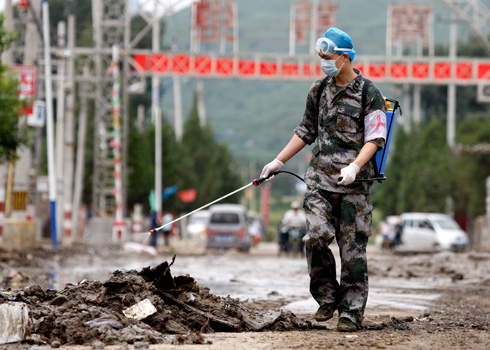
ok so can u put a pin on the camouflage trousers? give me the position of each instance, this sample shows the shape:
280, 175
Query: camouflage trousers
347, 218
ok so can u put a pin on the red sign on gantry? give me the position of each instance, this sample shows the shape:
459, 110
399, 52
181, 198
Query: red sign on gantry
202, 65
180, 64
399, 70
140, 63
246, 67
484, 71
464, 71
420, 70
289, 69
442, 71
377, 70
224, 66
268, 68
159, 63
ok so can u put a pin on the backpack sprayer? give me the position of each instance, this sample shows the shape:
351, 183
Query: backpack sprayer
255, 182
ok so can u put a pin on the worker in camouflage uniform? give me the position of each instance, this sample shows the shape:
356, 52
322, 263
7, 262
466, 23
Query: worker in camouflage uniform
348, 131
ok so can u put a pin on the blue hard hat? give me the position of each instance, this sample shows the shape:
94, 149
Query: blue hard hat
342, 41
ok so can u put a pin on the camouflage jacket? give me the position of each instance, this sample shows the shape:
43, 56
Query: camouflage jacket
338, 129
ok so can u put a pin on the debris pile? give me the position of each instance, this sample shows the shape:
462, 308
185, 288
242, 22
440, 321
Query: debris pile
148, 305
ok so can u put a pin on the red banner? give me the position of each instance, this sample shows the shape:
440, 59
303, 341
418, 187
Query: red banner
24, 4
187, 195
27, 86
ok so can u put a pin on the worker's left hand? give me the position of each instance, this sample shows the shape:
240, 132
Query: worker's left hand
348, 174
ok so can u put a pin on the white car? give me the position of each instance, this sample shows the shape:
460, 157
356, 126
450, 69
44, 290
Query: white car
432, 231
197, 223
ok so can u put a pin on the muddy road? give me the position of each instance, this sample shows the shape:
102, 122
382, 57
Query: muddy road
438, 301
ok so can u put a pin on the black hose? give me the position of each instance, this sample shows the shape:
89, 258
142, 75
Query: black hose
258, 181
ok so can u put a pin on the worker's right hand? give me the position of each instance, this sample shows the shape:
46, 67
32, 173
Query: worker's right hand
273, 166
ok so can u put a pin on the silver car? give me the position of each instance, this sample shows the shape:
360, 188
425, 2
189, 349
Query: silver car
227, 228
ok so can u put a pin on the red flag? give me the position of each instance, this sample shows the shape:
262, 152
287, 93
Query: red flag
187, 195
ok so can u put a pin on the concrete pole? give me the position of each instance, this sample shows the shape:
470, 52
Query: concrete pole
389, 35
140, 118
179, 128
416, 104
69, 135
157, 116
314, 26
82, 134
49, 123
235, 28
60, 124
193, 44
119, 225
292, 30
431, 35
451, 90
407, 106
201, 108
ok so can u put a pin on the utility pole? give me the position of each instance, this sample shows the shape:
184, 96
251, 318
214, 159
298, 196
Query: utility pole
50, 127
201, 107
157, 115
451, 89
179, 127
314, 26
119, 226
82, 133
68, 154
60, 124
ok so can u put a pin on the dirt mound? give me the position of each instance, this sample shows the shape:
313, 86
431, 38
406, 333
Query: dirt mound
94, 311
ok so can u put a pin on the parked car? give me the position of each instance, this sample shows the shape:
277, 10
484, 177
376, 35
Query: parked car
433, 228
197, 223
227, 228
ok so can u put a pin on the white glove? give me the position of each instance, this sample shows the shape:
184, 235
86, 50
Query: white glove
273, 166
348, 174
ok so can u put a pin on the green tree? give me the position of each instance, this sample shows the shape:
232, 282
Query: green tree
59, 10
470, 168
12, 135
419, 173
213, 171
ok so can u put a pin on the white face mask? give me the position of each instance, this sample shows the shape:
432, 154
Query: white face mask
329, 67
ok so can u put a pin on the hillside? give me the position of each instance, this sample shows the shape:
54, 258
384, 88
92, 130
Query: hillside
256, 118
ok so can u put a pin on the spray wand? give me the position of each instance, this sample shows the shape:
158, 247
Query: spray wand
255, 182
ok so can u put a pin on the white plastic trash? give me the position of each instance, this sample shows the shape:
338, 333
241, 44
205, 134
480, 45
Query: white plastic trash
14, 322
141, 310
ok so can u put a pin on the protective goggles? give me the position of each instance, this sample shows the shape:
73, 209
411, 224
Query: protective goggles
328, 47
